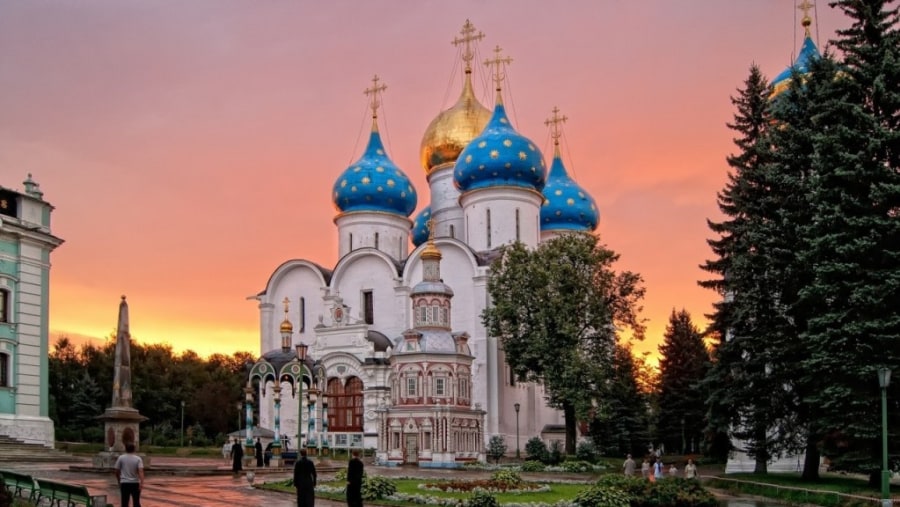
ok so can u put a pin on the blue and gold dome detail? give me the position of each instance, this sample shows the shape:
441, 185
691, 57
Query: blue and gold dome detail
808, 53
374, 183
567, 206
500, 157
420, 226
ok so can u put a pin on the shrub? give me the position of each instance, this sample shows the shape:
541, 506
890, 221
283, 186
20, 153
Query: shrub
587, 451
510, 477
678, 491
482, 499
556, 454
602, 496
376, 488
536, 449
577, 466
5, 496
496, 448
533, 466
341, 475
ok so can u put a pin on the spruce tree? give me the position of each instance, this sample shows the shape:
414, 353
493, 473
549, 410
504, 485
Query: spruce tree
683, 364
618, 425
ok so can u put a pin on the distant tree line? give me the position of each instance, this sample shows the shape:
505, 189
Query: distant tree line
81, 389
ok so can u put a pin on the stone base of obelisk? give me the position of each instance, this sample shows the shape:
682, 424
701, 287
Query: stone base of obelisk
107, 459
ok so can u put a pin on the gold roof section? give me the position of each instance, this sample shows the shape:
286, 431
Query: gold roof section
449, 133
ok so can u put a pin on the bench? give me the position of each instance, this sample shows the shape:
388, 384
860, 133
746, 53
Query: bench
66, 495
18, 484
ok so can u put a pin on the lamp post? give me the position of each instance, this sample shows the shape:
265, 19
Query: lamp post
884, 380
517, 407
182, 423
240, 406
301, 349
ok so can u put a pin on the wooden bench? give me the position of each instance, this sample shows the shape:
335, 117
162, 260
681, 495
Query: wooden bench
61, 494
18, 484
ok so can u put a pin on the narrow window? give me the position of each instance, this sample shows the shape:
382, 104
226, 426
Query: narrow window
517, 224
512, 376
463, 388
440, 387
488, 228
369, 307
426, 442
4, 305
411, 387
446, 316
4, 370
302, 314
376, 240
351, 241
436, 315
452, 231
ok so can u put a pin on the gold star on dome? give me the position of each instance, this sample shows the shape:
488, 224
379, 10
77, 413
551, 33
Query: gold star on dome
507, 143
390, 183
495, 153
379, 169
366, 180
522, 155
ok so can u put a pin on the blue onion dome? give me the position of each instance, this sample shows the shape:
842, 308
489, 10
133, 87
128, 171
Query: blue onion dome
420, 226
567, 206
808, 53
374, 183
500, 157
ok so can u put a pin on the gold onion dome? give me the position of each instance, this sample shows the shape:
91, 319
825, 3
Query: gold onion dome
287, 327
453, 129
431, 251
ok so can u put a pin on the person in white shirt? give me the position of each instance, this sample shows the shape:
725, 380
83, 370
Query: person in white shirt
130, 476
690, 470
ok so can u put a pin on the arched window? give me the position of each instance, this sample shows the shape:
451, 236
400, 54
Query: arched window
4, 305
452, 232
345, 405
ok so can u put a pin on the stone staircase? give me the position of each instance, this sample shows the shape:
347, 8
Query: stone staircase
17, 451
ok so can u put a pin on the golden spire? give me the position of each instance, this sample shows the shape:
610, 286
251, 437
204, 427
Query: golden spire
286, 326
554, 122
805, 6
469, 36
498, 62
431, 250
374, 91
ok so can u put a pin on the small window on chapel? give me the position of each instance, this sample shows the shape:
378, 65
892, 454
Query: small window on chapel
4, 370
440, 386
369, 307
411, 387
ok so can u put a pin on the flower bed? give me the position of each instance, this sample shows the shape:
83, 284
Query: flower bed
491, 486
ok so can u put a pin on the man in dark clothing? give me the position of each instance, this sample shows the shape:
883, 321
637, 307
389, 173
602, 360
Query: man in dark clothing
354, 481
305, 481
237, 454
259, 453
267, 454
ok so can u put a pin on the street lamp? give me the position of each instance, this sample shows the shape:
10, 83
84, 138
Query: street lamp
884, 380
301, 349
182, 423
240, 406
517, 407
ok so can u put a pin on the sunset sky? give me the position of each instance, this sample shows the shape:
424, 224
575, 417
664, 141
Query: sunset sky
190, 146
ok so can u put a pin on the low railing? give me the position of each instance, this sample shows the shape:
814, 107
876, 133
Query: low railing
805, 491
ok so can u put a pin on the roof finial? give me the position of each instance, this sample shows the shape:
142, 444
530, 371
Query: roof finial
555, 122
373, 91
429, 224
498, 62
287, 306
805, 6
469, 35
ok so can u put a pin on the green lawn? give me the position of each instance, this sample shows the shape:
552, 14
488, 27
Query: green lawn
776, 487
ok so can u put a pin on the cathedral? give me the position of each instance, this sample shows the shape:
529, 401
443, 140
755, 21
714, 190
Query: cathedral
386, 349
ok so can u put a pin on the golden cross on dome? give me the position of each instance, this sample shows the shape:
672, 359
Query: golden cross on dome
498, 62
373, 91
554, 122
287, 306
469, 36
805, 6
429, 224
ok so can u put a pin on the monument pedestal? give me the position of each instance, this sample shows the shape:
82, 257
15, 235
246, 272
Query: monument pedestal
107, 459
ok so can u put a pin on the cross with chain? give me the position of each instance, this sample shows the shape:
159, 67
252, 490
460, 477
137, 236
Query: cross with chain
373, 91
554, 122
429, 224
805, 6
498, 62
469, 36
287, 305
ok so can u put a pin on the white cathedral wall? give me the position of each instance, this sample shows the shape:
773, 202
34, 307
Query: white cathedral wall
295, 282
445, 203
384, 231
371, 272
502, 204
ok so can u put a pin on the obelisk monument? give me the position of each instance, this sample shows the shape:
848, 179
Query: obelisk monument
121, 420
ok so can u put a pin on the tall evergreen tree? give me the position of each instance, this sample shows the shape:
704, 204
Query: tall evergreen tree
618, 425
555, 310
683, 364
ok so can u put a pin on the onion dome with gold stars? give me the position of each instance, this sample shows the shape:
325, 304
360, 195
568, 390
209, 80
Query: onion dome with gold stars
566, 206
500, 156
420, 226
449, 133
808, 53
374, 182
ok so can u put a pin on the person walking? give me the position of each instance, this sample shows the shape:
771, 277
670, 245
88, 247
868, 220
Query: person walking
645, 468
130, 476
259, 453
628, 466
237, 454
305, 481
690, 470
658, 470
354, 480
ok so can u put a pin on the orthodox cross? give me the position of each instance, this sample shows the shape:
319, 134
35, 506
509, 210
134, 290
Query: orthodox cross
469, 36
805, 6
498, 62
554, 122
429, 224
287, 305
374, 91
